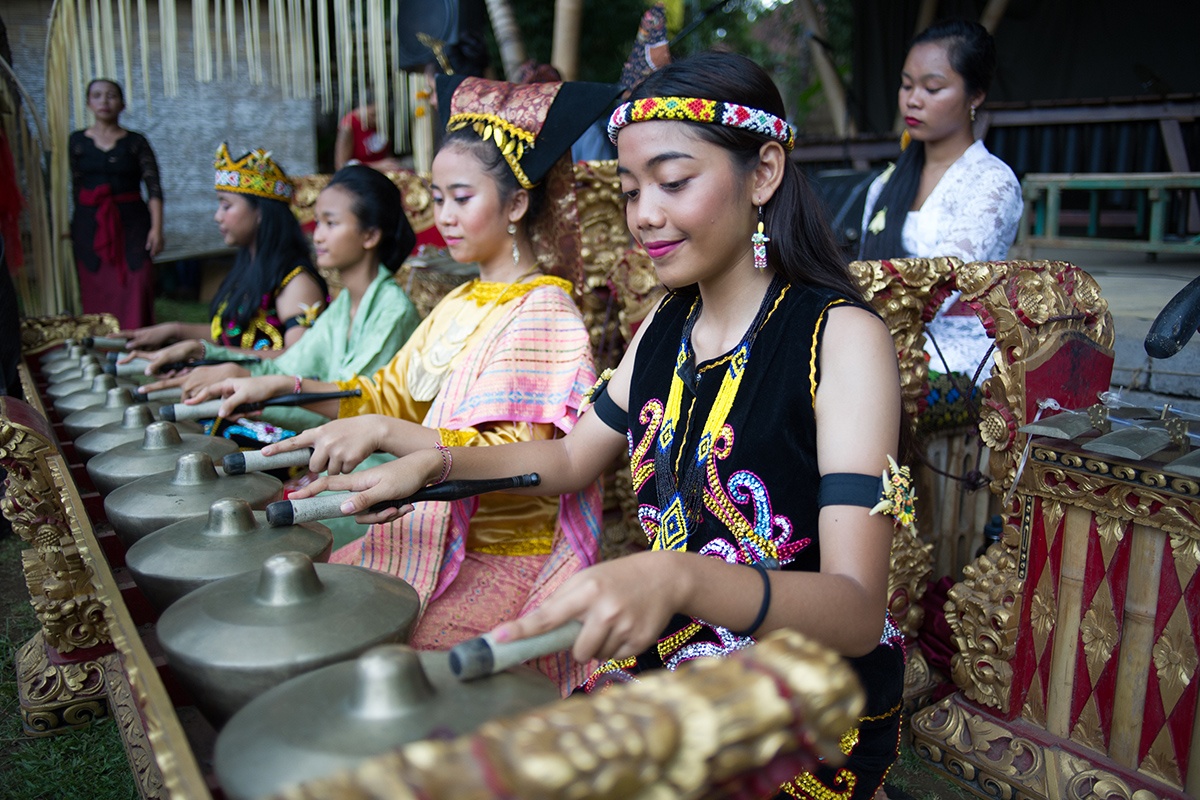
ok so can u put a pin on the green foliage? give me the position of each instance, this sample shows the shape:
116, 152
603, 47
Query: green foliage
608, 30
86, 763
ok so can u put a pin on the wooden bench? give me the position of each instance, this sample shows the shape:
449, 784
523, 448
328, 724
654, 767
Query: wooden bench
1040, 224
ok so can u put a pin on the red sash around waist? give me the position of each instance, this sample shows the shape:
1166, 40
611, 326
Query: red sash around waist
109, 242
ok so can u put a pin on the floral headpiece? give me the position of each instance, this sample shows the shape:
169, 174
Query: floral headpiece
696, 109
255, 173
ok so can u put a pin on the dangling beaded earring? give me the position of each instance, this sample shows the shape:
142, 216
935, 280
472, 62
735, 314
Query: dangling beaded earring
512, 231
972, 113
760, 239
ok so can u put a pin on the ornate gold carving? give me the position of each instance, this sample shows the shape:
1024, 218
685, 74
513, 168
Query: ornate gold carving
1175, 658
621, 285
60, 584
1112, 496
977, 750
1160, 761
133, 733
1052, 514
1099, 633
906, 292
670, 735
982, 613
40, 333
1186, 552
1087, 730
1043, 609
995, 761
911, 565
920, 681
414, 194
1112, 531
55, 697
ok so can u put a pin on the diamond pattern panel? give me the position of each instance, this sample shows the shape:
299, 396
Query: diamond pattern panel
1093, 577
1170, 595
1031, 662
1180, 718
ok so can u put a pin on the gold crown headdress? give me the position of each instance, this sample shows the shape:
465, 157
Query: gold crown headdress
255, 173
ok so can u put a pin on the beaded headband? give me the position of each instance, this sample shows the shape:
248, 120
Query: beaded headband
695, 109
255, 173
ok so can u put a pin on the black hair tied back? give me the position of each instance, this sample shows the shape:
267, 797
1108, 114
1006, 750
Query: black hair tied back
378, 205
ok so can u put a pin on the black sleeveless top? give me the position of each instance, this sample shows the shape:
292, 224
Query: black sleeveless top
759, 486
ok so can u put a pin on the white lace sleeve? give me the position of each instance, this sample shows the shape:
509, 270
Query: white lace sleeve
981, 208
873, 192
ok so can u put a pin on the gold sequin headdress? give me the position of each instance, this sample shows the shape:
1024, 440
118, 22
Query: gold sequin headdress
532, 124
255, 173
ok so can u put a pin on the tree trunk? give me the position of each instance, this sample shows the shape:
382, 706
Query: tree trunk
508, 36
831, 82
568, 15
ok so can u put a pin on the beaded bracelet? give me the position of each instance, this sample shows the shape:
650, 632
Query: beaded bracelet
447, 462
298, 386
766, 601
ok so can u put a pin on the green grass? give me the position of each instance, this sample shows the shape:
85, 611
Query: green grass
168, 310
913, 777
88, 763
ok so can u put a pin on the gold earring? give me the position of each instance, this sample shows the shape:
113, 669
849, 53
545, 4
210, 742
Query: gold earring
972, 113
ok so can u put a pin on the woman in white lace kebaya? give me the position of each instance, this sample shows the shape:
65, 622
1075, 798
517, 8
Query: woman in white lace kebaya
946, 195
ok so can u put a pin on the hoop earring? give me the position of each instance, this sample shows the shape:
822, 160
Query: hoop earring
512, 231
759, 240
972, 113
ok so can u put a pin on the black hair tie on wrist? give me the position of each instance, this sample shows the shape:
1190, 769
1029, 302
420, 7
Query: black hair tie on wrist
761, 568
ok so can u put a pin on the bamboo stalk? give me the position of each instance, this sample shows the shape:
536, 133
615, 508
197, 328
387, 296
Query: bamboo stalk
1067, 619
422, 127
399, 87
831, 82
294, 28
323, 62
378, 68
345, 52
993, 12
58, 289
200, 52
218, 39
108, 40
123, 18
97, 44
1137, 642
359, 54
253, 41
231, 36
564, 53
70, 22
144, 47
310, 75
508, 36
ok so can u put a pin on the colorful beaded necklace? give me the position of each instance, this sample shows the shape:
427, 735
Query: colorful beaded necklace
680, 502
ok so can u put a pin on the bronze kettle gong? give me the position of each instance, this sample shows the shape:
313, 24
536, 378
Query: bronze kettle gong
95, 396
156, 501
232, 539
232, 640
333, 718
112, 410
158, 450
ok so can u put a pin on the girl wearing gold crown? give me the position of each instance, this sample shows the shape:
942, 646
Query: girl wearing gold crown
273, 294
760, 404
114, 232
504, 358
